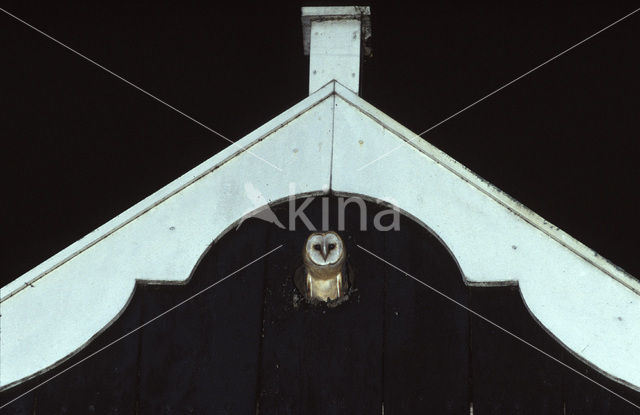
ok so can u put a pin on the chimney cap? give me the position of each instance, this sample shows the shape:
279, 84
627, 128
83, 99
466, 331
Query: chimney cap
362, 13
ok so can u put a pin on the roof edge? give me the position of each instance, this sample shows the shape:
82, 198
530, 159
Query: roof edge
165, 192
519, 209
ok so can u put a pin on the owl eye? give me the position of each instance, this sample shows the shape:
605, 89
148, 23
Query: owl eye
332, 246
316, 247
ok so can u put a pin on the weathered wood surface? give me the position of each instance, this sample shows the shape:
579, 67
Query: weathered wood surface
319, 359
426, 362
202, 357
248, 346
508, 376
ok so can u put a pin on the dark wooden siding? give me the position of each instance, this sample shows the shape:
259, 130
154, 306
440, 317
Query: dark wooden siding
246, 346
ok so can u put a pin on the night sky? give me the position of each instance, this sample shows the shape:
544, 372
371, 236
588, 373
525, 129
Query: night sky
81, 146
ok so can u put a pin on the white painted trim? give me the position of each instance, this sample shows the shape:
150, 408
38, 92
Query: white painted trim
165, 192
484, 186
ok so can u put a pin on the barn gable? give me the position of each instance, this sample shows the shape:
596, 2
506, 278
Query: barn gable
332, 141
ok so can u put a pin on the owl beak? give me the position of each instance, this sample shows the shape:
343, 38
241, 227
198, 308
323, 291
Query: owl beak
325, 250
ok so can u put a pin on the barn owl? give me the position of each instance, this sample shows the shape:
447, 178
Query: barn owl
324, 275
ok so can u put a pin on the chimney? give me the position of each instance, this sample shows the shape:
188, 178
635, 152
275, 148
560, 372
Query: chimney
334, 38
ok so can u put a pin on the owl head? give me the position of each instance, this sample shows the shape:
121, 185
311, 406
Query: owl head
324, 249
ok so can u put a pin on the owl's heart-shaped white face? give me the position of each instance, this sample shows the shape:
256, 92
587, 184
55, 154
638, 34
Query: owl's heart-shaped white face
324, 248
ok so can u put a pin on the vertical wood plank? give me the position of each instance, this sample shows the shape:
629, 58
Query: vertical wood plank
508, 376
202, 357
583, 397
21, 406
426, 365
317, 359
